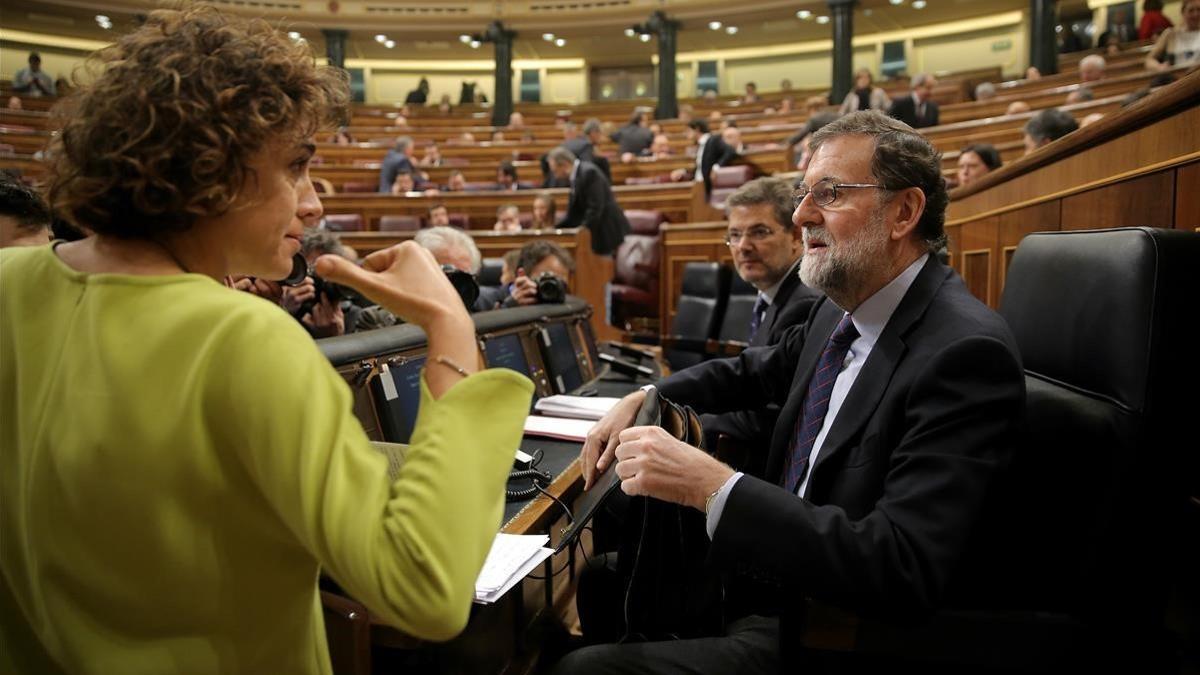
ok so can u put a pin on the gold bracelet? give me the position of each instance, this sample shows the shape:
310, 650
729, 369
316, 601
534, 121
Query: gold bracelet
452, 365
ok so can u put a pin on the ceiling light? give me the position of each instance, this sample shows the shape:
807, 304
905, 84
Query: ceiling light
644, 37
560, 42
822, 19
804, 15
918, 4
732, 30
629, 32
294, 35
715, 25
381, 38
867, 12
464, 38
101, 18
389, 44
475, 44
896, 2
548, 37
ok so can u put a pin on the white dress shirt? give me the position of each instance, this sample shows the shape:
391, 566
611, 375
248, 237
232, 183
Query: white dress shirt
870, 318
700, 157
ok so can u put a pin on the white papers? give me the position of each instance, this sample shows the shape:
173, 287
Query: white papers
557, 427
580, 407
512, 557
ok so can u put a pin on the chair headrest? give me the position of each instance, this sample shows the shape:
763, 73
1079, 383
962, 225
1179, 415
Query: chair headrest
1103, 311
702, 279
643, 221
489, 272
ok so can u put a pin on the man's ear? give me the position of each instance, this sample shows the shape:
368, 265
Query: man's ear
909, 204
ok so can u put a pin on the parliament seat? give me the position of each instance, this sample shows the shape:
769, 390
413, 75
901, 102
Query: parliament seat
399, 223
726, 181
360, 187
698, 313
489, 272
735, 324
633, 293
344, 222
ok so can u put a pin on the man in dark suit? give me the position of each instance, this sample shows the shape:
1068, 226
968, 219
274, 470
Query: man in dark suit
582, 146
711, 153
398, 159
918, 109
766, 248
592, 204
900, 399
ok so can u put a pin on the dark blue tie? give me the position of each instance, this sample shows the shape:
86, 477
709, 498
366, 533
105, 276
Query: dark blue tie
816, 402
756, 316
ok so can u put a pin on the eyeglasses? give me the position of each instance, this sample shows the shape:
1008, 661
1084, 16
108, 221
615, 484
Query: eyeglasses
753, 235
824, 192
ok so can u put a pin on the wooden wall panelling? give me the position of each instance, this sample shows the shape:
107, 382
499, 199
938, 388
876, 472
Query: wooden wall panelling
954, 244
980, 252
1012, 228
1187, 197
681, 244
1144, 200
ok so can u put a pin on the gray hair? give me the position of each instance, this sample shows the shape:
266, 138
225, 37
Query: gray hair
442, 238
776, 192
984, 91
403, 143
1093, 61
920, 79
320, 241
591, 125
902, 159
1050, 124
560, 155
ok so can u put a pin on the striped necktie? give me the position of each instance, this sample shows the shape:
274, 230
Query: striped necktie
816, 401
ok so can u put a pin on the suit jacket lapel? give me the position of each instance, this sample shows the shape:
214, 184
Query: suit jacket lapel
863, 399
781, 297
816, 335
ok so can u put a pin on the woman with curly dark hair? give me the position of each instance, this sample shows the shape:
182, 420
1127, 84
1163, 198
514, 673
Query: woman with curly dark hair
179, 459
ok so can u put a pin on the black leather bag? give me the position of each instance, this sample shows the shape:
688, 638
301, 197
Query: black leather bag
670, 592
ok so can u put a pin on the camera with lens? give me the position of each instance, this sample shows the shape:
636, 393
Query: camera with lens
324, 288
550, 289
463, 283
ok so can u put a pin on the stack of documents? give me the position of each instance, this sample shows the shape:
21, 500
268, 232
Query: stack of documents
579, 407
511, 558
558, 427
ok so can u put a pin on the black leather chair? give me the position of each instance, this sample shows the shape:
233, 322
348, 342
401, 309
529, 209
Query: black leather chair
697, 313
735, 324
490, 271
1092, 522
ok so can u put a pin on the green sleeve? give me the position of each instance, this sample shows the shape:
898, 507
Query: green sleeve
409, 550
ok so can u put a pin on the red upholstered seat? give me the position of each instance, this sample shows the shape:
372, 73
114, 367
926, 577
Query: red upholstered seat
344, 222
399, 223
726, 181
358, 186
644, 221
633, 292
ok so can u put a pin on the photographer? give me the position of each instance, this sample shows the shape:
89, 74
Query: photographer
543, 265
323, 314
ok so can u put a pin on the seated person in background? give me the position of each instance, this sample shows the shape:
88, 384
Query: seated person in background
404, 183
242, 504
877, 504
1032, 73
508, 219
864, 96
1047, 125
419, 95
539, 257
1016, 108
1080, 95
686, 112
32, 81
815, 104
786, 105
1179, 45
766, 248
544, 212
516, 121
343, 136
508, 271
985, 91
400, 121
14, 103
506, 177
456, 182
497, 136
444, 105
438, 216
1153, 22
398, 159
975, 161
24, 217
432, 156
785, 84
1091, 68
466, 138
710, 96
751, 95
659, 149
733, 138
716, 118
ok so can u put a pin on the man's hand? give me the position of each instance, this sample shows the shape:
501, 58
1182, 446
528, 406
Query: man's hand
652, 463
269, 290
601, 441
524, 289
295, 296
326, 319
678, 175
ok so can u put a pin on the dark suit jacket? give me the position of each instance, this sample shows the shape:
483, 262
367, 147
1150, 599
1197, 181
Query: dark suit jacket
791, 307
905, 110
592, 205
393, 163
716, 153
584, 151
633, 138
897, 495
